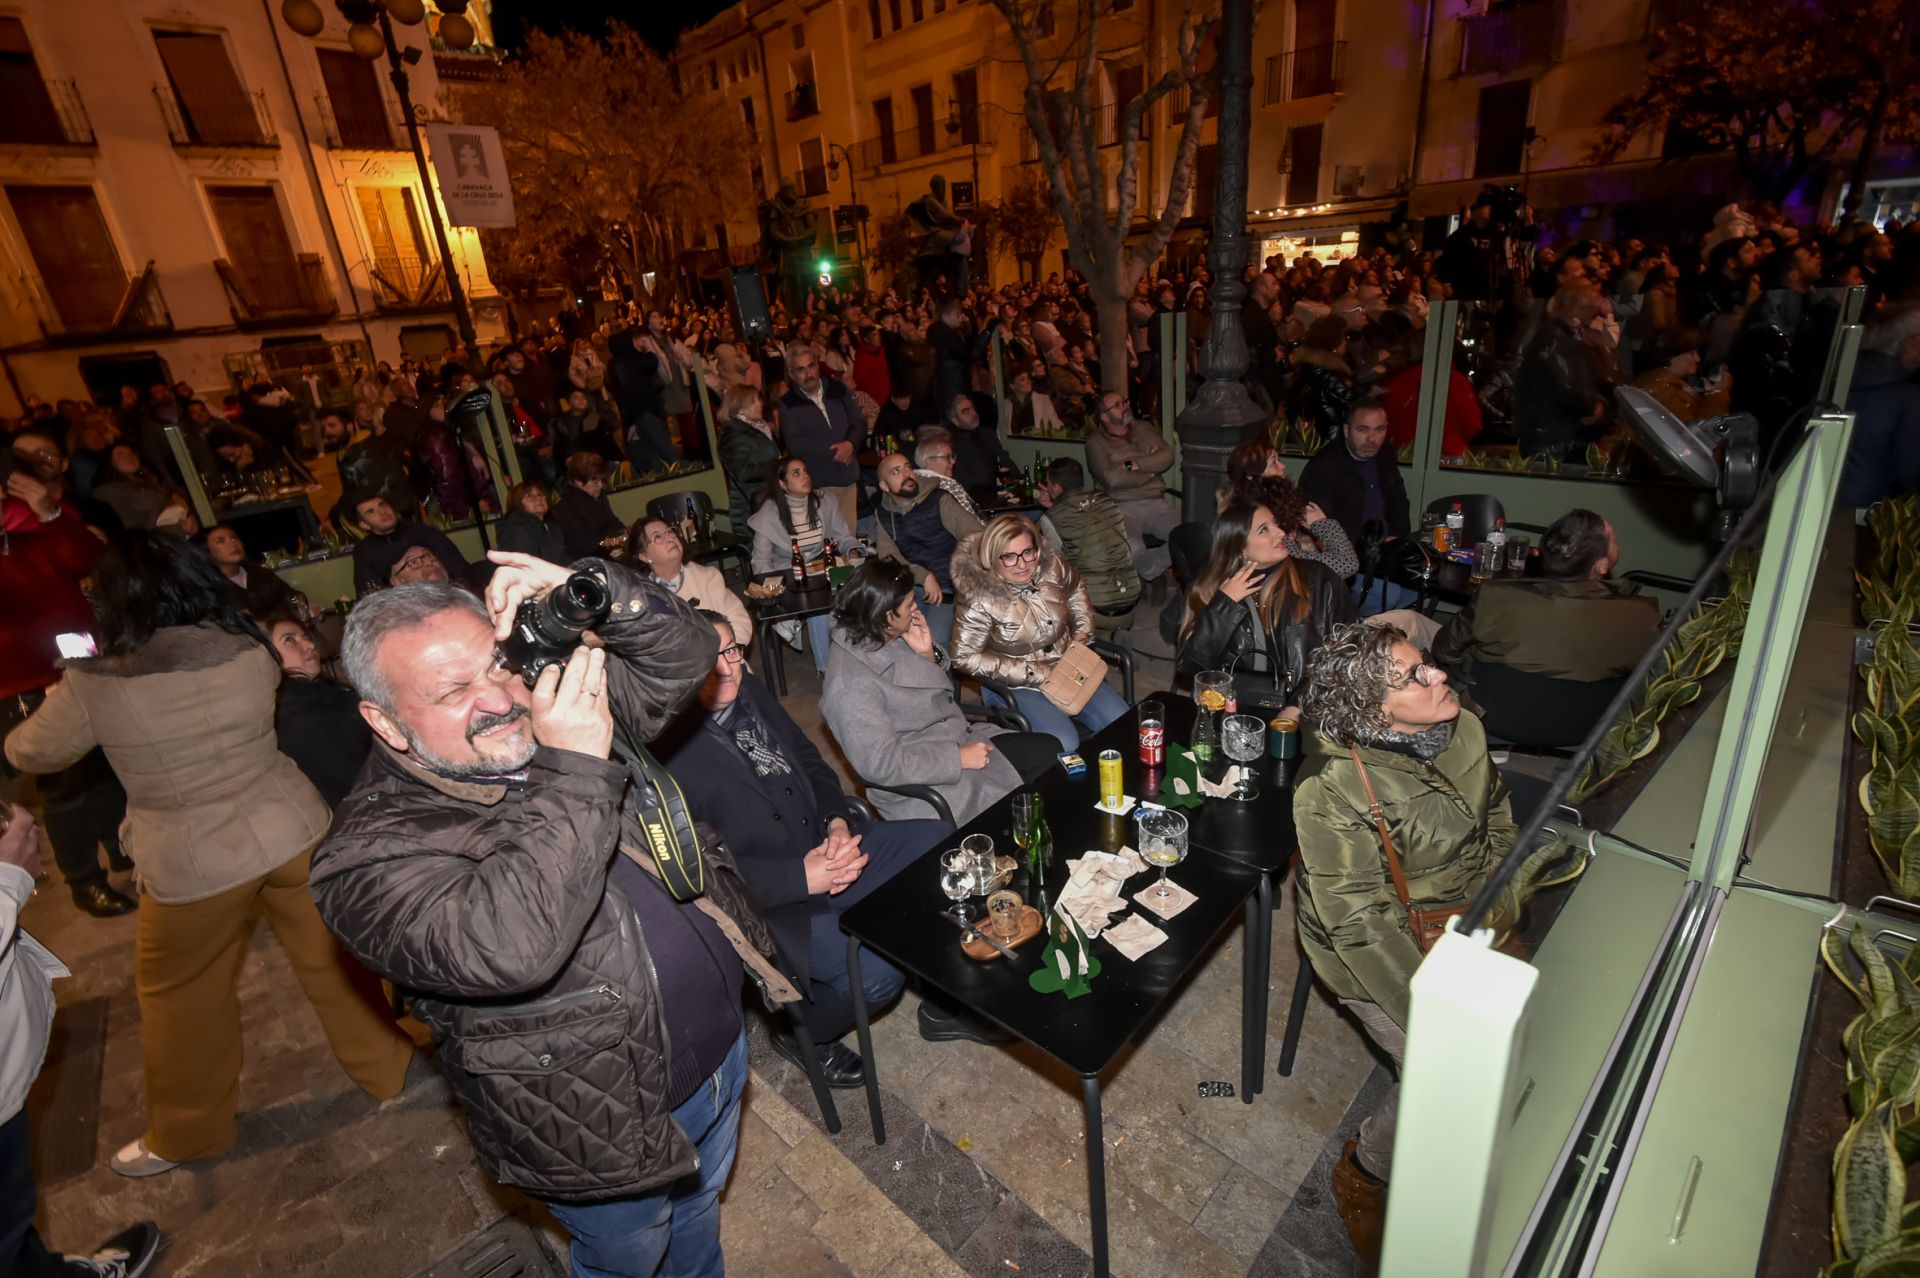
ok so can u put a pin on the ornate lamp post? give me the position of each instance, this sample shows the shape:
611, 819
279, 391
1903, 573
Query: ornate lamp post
370, 34
1222, 414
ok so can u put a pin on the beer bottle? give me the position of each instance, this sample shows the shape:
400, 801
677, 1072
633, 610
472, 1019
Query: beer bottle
799, 565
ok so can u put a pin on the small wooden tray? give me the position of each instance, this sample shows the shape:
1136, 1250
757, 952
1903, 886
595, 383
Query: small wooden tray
1031, 925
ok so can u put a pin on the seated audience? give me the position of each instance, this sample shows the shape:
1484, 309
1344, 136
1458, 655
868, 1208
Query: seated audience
978, 456
1672, 361
134, 493
805, 852
1356, 480
1086, 526
1257, 472
933, 463
920, 524
1128, 458
259, 590
526, 529
583, 516
655, 546
1379, 713
1029, 412
889, 701
1021, 605
388, 540
791, 512
583, 428
317, 720
1258, 610
1573, 623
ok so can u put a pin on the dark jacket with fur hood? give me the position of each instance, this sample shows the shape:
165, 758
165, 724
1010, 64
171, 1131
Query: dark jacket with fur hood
187, 721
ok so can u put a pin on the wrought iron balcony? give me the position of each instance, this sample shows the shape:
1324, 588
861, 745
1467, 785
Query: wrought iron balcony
1522, 34
257, 296
1312, 72
812, 180
407, 282
915, 142
360, 130
59, 119
239, 119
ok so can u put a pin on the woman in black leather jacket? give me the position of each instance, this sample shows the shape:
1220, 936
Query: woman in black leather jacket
1258, 610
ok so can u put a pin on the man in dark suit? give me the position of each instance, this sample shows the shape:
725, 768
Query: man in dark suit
806, 853
1356, 480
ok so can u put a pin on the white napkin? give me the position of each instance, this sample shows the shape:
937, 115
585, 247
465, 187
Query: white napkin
1126, 805
1133, 936
1092, 894
1178, 898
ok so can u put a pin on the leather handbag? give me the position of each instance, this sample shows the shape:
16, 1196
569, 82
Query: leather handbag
1075, 678
1427, 920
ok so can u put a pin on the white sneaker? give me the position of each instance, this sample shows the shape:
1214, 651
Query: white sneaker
128, 1254
135, 1160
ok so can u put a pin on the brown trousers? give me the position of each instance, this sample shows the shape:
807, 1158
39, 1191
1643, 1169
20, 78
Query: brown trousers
187, 968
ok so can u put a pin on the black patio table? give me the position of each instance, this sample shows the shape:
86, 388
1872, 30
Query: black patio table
1234, 852
814, 598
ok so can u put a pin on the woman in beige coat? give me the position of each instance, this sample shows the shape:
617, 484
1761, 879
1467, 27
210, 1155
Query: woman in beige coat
218, 820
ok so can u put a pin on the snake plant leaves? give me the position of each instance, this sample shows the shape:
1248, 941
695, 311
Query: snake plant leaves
1898, 1257
1886, 1000
1906, 1140
1893, 1057
1869, 1184
1903, 985
1833, 949
1858, 1081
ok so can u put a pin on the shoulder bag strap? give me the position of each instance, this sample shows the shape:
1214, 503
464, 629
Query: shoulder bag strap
1386, 840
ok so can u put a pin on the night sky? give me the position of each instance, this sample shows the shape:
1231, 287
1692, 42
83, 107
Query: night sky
660, 23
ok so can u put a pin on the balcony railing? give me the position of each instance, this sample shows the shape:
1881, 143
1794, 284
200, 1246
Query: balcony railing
141, 309
255, 296
802, 101
1505, 39
811, 181
913, 143
1312, 72
240, 119
66, 124
407, 282
358, 130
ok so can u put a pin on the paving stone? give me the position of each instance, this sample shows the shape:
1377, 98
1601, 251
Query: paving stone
1242, 1214
1013, 1233
923, 1258
863, 1229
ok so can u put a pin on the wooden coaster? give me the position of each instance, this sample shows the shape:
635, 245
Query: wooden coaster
1031, 925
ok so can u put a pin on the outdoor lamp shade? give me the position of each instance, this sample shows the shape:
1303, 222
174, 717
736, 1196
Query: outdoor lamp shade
409, 13
456, 31
365, 41
303, 16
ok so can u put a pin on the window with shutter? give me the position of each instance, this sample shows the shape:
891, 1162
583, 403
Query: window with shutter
67, 235
26, 108
353, 91
215, 109
395, 240
260, 253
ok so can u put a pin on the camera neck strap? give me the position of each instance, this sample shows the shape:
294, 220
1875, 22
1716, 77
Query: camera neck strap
671, 841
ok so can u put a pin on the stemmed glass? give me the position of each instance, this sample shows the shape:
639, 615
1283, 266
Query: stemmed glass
1030, 831
956, 881
1163, 842
1244, 738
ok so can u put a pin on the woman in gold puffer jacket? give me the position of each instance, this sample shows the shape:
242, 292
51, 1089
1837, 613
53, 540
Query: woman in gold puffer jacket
1020, 606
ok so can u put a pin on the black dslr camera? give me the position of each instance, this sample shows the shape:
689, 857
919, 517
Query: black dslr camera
546, 631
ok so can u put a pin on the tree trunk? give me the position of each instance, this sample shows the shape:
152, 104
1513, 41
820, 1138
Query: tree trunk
1863, 159
1110, 308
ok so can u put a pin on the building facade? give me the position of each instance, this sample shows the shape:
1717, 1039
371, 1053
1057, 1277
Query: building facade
190, 191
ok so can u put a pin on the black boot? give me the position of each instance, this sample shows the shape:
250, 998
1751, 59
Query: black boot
100, 900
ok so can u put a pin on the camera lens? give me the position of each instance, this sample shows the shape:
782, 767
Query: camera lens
578, 604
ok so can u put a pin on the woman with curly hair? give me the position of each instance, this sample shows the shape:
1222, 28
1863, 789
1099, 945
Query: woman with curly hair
1257, 473
1385, 726
1258, 609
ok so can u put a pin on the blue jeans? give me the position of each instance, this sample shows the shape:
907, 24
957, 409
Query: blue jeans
890, 846
820, 639
1106, 706
673, 1232
939, 618
1383, 597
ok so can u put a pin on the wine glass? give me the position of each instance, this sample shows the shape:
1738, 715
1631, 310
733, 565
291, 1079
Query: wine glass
1030, 824
956, 881
1244, 738
1163, 842
980, 861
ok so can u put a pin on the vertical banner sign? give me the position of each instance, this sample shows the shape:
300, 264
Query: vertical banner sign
472, 173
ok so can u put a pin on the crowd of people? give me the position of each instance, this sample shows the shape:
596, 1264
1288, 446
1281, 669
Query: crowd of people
571, 877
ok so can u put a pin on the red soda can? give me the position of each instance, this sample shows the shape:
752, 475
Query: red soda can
1153, 733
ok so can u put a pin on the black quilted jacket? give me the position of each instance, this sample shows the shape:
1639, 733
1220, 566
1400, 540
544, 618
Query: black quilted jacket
491, 906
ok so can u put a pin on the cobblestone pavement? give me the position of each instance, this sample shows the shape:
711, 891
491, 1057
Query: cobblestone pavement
983, 1172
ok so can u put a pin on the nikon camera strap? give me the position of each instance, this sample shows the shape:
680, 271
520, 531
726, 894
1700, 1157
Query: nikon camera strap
671, 839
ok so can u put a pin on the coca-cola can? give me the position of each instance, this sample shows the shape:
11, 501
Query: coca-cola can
1153, 742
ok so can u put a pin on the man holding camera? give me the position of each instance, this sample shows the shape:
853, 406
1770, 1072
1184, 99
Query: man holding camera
542, 898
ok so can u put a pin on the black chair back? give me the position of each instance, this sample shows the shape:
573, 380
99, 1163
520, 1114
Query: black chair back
1189, 544
1480, 511
1535, 711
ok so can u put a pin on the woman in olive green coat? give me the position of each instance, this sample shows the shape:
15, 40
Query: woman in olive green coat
1376, 707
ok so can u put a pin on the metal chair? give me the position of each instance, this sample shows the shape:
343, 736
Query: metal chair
716, 546
1536, 713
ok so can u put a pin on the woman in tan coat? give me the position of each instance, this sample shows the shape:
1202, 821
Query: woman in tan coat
1021, 606
218, 820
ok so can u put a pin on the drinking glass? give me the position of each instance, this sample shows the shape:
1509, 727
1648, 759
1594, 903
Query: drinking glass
1483, 565
956, 882
1244, 737
978, 850
1030, 832
1163, 842
1003, 908
1517, 548
1212, 695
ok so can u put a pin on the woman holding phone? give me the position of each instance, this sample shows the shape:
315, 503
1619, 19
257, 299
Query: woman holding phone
1258, 609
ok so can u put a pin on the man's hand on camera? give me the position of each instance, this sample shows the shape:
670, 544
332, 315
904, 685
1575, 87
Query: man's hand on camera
518, 579
571, 709
18, 845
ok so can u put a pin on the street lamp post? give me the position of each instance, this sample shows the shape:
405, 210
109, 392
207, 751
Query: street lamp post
853, 201
305, 18
1222, 414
